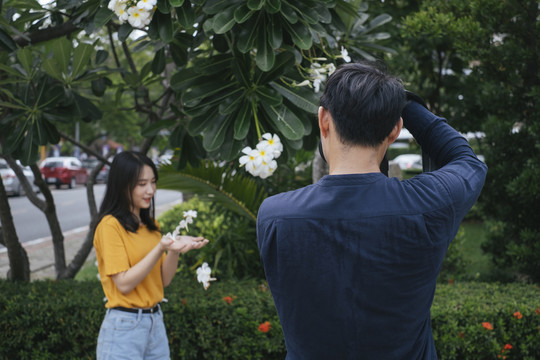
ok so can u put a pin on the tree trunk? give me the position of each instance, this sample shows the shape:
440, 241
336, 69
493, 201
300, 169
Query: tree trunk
79, 259
319, 169
18, 259
47, 207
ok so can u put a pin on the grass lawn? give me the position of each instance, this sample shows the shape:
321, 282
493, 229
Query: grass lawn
478, 263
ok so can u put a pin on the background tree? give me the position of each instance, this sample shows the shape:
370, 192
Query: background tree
476, 63
221, 73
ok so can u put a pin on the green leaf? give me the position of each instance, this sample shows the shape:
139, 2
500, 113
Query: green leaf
289, 14
99, 86
247, 36
230, 103
197, 125
124, 30
212, 7
25, 58
51, 67
40, 133
86, 108
243, 121
240, 67
269, 96
242, 14
379, 20
224, 21
155, 128
275, 33
301, 97
81, 58
214, 65
255, 4
283, 62
184, 79
29, 151
214, 135
62, 49
286, 122
165, 26
265, 56
186, 15
272, 6
176, 3
101, 56
300, 35
158, 64
15, 139
102, 17
163, 7
6, 41
52, 133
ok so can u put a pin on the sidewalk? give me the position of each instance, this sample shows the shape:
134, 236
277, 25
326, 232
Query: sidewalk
41, 254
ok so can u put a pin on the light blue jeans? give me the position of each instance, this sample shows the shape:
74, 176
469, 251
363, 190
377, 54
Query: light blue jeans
132, 336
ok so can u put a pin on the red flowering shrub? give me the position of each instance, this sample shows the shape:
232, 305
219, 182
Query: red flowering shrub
487, 326
518, 315
227, 299
265, 327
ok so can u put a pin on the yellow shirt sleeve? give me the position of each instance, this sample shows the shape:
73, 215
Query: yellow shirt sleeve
117, 250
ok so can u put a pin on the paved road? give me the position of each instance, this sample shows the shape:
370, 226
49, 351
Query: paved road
72, 209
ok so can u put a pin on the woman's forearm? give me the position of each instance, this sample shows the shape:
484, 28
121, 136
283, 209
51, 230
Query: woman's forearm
168, 269
127, 280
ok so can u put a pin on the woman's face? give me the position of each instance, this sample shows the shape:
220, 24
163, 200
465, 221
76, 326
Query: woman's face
143, 192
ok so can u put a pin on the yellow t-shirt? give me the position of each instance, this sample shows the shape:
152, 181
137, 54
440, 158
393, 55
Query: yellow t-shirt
117, 250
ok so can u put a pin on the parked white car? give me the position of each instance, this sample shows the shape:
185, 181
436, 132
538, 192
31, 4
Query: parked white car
409, 161
11, 181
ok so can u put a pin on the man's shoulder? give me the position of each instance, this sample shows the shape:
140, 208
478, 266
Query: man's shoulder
285, 201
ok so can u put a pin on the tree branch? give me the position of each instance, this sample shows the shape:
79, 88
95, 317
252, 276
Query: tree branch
45, 34
84, 147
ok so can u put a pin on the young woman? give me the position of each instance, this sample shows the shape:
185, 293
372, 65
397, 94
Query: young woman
135, 262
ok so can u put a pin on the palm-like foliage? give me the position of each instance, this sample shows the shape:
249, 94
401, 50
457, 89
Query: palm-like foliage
220, 184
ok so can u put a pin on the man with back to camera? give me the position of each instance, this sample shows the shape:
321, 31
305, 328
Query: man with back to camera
352, 260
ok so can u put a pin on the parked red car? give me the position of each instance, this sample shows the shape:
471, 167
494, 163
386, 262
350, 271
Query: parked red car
63, 170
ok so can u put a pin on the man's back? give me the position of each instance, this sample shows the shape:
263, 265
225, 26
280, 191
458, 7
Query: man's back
352, 261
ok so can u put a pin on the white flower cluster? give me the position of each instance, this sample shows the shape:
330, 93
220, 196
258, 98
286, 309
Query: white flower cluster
137, 12
183, 224
203, 275
260, 161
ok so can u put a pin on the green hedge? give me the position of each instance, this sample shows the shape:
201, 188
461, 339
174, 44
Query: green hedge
60, 320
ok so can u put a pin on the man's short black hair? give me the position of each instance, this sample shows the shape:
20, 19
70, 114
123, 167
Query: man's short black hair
365, 102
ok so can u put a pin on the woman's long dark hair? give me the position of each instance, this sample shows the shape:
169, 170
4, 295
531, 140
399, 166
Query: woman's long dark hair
123, 177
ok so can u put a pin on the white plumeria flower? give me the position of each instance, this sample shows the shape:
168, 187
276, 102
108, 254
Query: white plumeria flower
137, 17
250, 160
345, 55
331, 68
267, 169
190, 214
265, 154
272, 144
146, 4
203, 275
303, 83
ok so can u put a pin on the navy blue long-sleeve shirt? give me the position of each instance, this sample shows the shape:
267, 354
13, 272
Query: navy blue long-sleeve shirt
352, 260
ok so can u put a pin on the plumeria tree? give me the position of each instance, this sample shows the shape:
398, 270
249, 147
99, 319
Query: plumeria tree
223, 76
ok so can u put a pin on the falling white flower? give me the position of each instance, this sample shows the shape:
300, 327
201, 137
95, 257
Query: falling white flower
345, 55
317, 85
203, 275
183, 224
267, 169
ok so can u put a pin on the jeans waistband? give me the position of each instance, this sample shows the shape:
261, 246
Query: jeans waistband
153, 310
